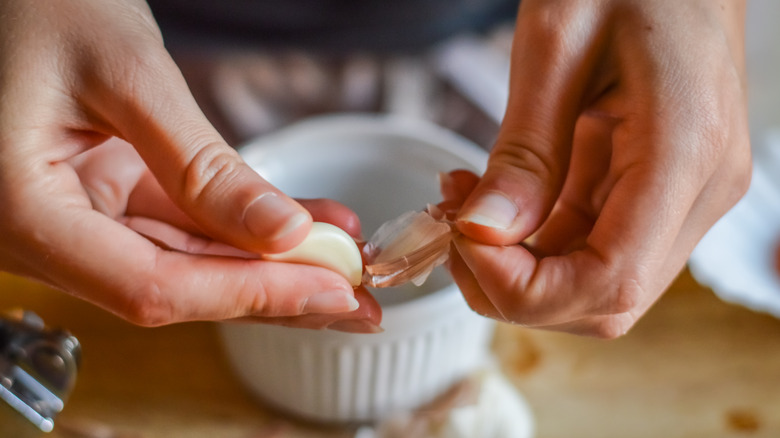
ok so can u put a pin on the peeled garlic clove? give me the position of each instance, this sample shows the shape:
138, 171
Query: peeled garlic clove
327, 246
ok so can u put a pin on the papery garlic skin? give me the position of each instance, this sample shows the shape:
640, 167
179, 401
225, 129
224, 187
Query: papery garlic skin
486, 405
406, 249
327, 246
500, 412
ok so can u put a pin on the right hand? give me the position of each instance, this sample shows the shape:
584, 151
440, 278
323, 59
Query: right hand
625, 139
72, 76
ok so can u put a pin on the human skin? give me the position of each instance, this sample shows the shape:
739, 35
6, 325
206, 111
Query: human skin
115, 188
624, 140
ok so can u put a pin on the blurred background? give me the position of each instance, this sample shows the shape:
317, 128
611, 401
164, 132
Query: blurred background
457, 79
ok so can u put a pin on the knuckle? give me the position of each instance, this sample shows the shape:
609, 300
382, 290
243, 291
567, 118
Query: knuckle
619, 285
483, 309
549, 29
626, 297
147, 307
253, 297
612, 327
213, 166
543, 21
259, 302
517, 152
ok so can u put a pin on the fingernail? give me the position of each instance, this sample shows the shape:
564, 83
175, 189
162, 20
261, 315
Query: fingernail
273, 217
330, 302
291, 225
355, 326
493, 209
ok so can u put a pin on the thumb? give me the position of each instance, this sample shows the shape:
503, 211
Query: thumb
529, 162
153, 109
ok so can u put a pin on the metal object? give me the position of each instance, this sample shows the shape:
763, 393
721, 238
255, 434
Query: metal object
38, 368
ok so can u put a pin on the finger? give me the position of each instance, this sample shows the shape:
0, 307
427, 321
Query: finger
457, 185
582, 197
601, 326
551, 66
206, 178
119, 184
470, 288
531, 292
172, 238
150, 286
109, 173
148, 199
455, 188
164, 231
366, 319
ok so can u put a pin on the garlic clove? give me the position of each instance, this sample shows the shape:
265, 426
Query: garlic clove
327, 246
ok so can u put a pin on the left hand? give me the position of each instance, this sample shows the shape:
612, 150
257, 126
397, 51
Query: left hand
73, 77
138, 201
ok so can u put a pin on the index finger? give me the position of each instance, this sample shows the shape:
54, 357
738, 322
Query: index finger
150, 286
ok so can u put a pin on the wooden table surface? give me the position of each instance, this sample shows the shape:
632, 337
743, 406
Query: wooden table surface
692, 367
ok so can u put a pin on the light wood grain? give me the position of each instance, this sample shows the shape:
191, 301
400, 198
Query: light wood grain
693, 367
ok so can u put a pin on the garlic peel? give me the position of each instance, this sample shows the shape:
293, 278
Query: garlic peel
327, 246
406, 249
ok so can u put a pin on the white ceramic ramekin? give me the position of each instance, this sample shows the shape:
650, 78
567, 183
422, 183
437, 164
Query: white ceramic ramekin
379, 166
